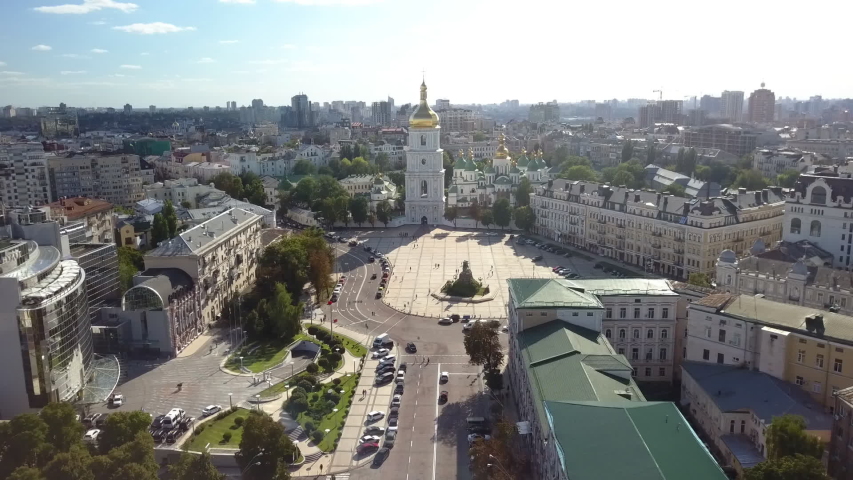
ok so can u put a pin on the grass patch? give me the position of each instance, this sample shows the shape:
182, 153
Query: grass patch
215, 429
333, 421
263, 355
354, 348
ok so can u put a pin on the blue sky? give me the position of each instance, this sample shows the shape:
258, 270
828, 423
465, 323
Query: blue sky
206, 52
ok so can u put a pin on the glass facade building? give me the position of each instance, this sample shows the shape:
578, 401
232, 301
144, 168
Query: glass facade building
100, 262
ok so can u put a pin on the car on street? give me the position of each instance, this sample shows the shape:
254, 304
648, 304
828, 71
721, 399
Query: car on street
392, 422
375, 415
371, 259
380, 456
411, 348
537, 258
92, 435
186, 423
367, 447
383, 369
391, 433
403, 367
373, 277
442, 397
366, 248
210, 410
445, 321
116, 400
398, 388
353, 243
473, 437
374, 430
382, 352
394, 413
91, 419
444, 377
102, 420
378, 295
395, 402
388, 359
558, 267
401, 376
370, 439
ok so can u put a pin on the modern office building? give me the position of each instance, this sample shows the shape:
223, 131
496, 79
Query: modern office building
24, 178
661, 233
381, 113
734, 140
45, 334
762, 106
302, 111
731, 106
576, 397
116, 178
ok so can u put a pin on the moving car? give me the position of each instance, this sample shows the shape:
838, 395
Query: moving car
472, 437
210, 410
378, 295
380, 457
116, 400
442, 397
382, 352
374, 430
537, 258
445, 321
366, 248
395, 402
353, 243
375, 415
371, 259
411, 348
373, 277
444, 377
367, 447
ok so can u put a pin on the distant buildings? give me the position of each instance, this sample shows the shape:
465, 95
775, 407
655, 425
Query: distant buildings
182, 190
382, 113
837, 149
24, 178
303, 115
772, 162
94, 213
442, 104
116, 178
660, 178
731, 106
456, 119
544, 112
734, 140
762, 105
712, 106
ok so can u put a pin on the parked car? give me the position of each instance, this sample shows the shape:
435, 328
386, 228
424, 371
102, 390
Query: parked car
388, 359
366, 248
367, 447
385, 378
159, 434
91, 419
370, 439
445, 321
444, 377
172, 436
115, 400
401, 376
392, 422
210, 410
102, 420
537, 258
395, 402
382, 352
473, 437
380, 456
374, 430
158, 420
92, 435
442, 397
383, 369
186, 423
403, 367
398, 388
411, 348
375, 415
394, 413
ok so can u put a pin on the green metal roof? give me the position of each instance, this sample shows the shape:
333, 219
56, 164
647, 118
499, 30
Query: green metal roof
489, 169
651, 440
623, 286
522, 161
452, 189
514, 169
549, 293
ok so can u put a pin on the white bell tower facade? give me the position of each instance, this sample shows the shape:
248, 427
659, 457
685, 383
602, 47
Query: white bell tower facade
424, 166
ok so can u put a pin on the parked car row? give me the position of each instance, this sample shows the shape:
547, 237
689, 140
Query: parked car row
170, 426
547, 247
386, 274
565, 272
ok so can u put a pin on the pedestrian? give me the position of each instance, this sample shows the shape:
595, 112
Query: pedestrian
427, 360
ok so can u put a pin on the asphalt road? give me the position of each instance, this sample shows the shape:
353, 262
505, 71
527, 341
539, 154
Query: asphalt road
432, 440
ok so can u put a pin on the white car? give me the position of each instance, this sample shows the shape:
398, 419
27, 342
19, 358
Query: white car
375, 415
91, 436
395, 402
400, 377
388, 359
210, 410
381, 353
117, 399
445, 321
391, 433
444, 377
370, 439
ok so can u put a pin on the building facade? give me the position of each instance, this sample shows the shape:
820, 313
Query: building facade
96, 214
820, 211
731, 105
661, 233
424, 166
772, 162
762, 106
182, 190
837, 149
840, 465
734, 140
24, 178
117, 179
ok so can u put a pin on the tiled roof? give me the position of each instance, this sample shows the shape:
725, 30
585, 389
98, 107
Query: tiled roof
79, 207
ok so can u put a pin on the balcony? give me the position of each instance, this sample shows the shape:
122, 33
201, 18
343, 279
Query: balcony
679, 251
656, 246
620, 236
679, 239
620, 225
601, 221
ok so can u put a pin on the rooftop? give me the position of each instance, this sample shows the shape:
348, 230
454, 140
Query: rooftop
79, 207
549, 293
203, 236
623, 286
652, 441
732, 388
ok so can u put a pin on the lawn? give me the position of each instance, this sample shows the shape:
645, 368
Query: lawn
354, 348
214, 429
263, 355
335, 420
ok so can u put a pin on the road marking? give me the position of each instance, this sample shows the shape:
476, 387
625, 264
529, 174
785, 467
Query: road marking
435, 427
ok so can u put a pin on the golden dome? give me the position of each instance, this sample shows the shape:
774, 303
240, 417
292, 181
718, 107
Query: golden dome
501, 152
423, 116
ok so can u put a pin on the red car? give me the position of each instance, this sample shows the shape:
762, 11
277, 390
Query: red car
368, 447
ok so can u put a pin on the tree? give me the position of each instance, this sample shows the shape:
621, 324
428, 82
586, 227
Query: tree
399, 179
689, 162
580, 172
483, 346
787, 178
475, 211
133, 460
23, 442
622, 177
451, 212
383, 212
798, 467
650, 153
382, 162
674, 189
230, 184
502, 213
194, 467
786, 437
303, 194
253, 190
170, 217
340, 204
479, 137
186, 204
502, 447
26, 473
702, 172
561, 154
627, 151
262, 434
160, 230
371, 217
524, 218
522, 193
280, 315
447, 161
750, 180
699, 279
122, 428
285, 261
71, 465
358, 207
488, 217
304, 167
63, 429
360, 167
679, 160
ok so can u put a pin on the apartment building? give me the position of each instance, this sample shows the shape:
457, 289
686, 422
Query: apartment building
479, 150
96, 214
662, 233
840, 465
819, 209
274, 165
772, 162
733, 407
396, 153
219, 255
181, 191
24, 178
456, 119
731, 105
762, 106
605, 154
734, 140
575, 395
116, 178
799, 345
837, 149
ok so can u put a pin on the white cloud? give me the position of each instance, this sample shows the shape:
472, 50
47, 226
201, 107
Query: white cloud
244, 2
145, 54
2, 64
131, 67
11, 74
288, 46
152, 28
120, 75
72, 72
99, 50
74, 55
99, 22
88, 6
267, 62
205, 60
42, 48
228, 42
324, 3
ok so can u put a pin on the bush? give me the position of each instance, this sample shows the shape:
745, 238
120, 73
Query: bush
334, 358
323, 363
305, 385
226, 437
309, 427
222, 414
309, 378
238, 422
336, 381
199, 429
298, 405
299, 392
312, 368
315, 396
312, 330
333, 397
317, 436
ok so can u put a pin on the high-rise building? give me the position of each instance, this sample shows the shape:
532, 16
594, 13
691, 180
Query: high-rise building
648, 115
711, 105
671, 111
604, 111
302, 111
425, 168
115, 178
381, 113
152, 108
442, 103
58, 122
762, 104
128, 108
731, 105
544, 112
24, 178
815, 105
734, 140
257, 103
8, 111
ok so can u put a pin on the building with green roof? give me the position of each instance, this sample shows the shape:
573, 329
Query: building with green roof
576, 396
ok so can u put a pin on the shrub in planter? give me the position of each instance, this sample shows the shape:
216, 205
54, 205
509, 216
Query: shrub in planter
317, 436
226, 436
312, 368
315, 396
298, 405
309, 378
336, 381
238, 422
312, 330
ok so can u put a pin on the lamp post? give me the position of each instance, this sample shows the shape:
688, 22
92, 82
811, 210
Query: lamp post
258, 401
229, 401
241, 364
287, 391
252, 462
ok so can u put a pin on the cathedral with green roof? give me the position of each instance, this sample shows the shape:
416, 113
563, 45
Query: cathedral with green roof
496, 179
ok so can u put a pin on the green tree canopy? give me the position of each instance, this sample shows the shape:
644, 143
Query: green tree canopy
788, 178
122, 428
230, 184
750, 179
524, 218
358, 207
787, 436
171, 218
63, 429
699, 279
194, 467
798, 467
451, 213
304, 167
522, 193
627, 151
488, 218
502, 213
483, 346
281, 317
264, 441
160, 230
383, 212
675, 189
580, 172
360, 167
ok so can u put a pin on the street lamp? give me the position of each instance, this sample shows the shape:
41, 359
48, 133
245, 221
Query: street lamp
229, 401
241, 364
252, 462
287, 391
498, 464
258, 401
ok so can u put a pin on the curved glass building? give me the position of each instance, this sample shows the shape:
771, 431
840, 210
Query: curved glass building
45, 332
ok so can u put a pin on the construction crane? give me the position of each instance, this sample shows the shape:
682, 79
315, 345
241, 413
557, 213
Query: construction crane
659, 92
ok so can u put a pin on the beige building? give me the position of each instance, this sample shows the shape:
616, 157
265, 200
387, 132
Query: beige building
377, 188
97, 215
219, 255
181, 190
24, 178
841, 444
664, 234
773, 162
117, 179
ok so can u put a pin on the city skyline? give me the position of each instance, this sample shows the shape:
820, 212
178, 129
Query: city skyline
206, 52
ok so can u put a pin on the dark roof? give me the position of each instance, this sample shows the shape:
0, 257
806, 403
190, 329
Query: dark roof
716, 300
179, 280
839, 187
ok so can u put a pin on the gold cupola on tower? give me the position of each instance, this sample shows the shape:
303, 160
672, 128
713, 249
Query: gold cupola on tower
423, 116
501, 152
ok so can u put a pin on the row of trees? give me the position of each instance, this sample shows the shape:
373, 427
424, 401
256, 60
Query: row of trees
246, 186
501, 214
792, 453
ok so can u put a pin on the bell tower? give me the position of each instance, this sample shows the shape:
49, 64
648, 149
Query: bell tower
424, 166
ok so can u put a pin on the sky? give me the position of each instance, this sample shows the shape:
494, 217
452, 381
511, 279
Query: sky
180, 53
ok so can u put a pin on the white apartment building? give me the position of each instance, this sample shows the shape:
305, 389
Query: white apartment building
317, 155
271, 189
772, 162
24, 178
478, 149
837, 149
268, 164
820, 210
117, 179
396, 153
662, 233
180, 191
456, 119
718, 338
220, 255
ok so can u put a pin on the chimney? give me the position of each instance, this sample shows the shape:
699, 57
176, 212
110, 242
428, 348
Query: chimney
765, 195
582, 188
741, 190
757, 197
637, 197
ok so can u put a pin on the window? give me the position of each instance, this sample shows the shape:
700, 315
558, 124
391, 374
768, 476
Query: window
801, 356
622, 334
818, 361
621, 350
662, 371
651, 313
816, 387
623, 312
649, 354
650, 333
818, 196
708, 332
635, 354
636, 312
742, 426
664, 313
423, 140
814, 230
424, 189
706, 354
636, 333
799, 381
796, 226
574, 314
648, 372
609, 313
721, 358
736, 339
662, 354
607, 333
836, 367
732, 427
721, 336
